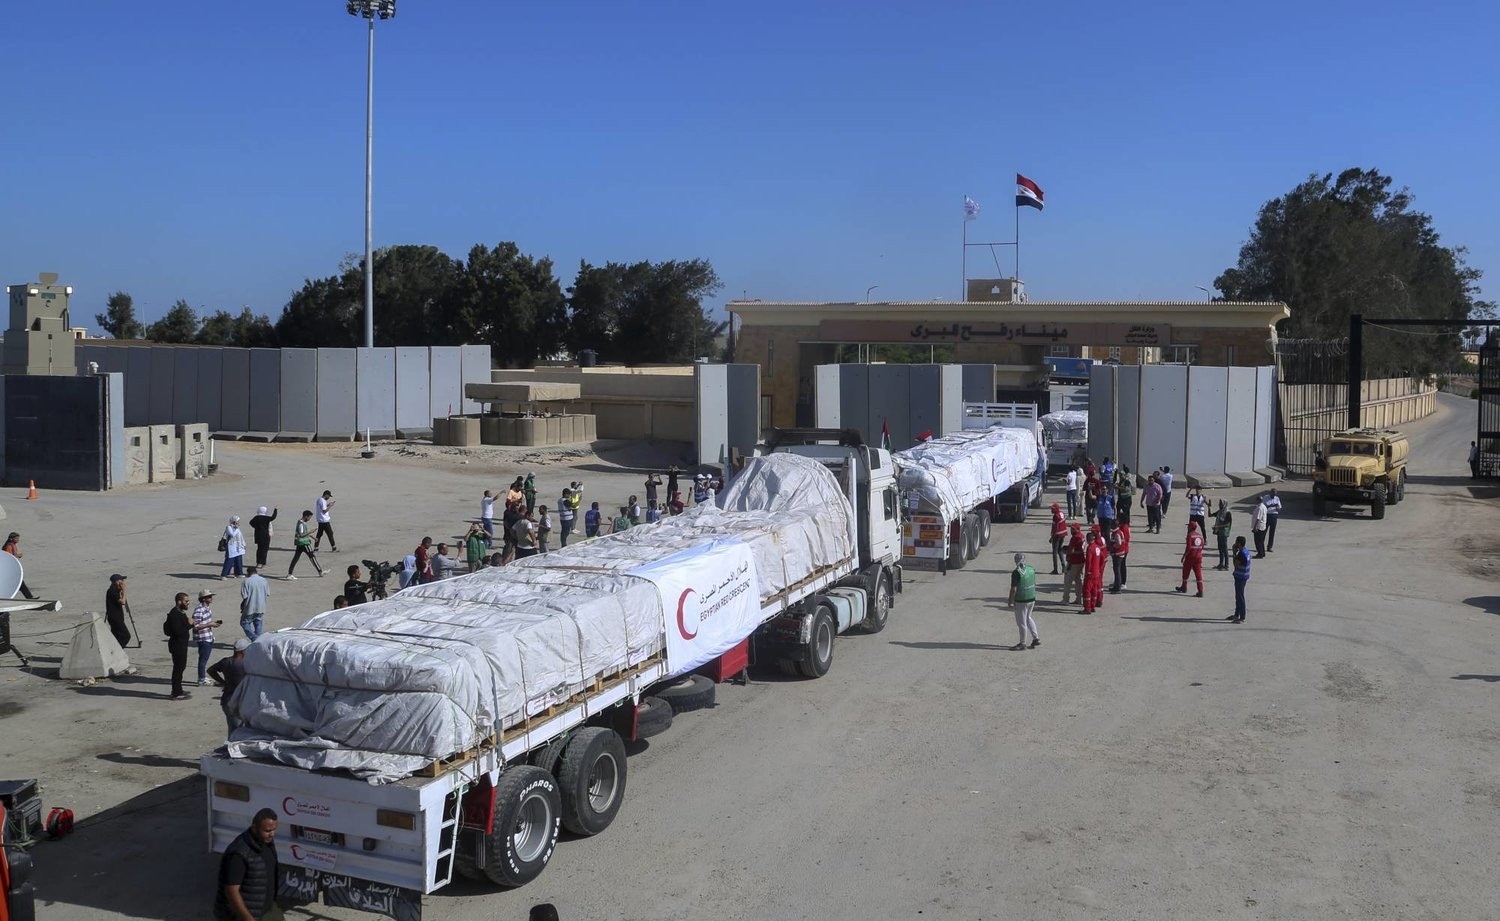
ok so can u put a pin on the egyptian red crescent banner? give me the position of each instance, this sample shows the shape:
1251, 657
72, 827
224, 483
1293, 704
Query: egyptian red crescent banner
1028, 193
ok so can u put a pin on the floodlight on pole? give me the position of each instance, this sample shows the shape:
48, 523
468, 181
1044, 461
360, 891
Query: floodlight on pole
370, 10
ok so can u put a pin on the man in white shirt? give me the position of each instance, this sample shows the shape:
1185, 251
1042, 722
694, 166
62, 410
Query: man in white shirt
1166, 489
323, 512
1072, 492
1258, 526
487, 516
1272, 502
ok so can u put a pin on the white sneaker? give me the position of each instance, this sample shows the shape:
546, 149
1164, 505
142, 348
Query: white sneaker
205, 683
291, 578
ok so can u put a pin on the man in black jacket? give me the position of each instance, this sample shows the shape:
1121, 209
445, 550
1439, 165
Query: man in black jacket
260, 527
248, 872
179, 632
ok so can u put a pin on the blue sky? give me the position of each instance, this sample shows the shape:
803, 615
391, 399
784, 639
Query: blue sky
213, 151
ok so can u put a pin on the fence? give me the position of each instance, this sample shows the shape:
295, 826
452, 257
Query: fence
1312, 412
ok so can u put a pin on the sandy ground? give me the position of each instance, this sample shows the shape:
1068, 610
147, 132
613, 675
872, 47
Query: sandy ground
1332, 758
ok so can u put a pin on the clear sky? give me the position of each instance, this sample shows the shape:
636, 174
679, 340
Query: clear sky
213, 151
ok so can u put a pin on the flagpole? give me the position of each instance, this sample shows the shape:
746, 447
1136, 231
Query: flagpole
963, 283
1018, 244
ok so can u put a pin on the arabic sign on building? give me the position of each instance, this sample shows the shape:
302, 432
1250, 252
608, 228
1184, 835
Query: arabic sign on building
1028, 333
710, 595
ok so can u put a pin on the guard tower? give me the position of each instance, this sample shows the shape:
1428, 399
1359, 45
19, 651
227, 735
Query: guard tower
38, 340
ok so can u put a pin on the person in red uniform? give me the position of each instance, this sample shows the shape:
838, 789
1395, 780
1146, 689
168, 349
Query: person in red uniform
1077, 556
1192, 558
1059, 538
1093, 572
1119, 549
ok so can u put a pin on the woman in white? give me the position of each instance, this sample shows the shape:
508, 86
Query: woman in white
233, 543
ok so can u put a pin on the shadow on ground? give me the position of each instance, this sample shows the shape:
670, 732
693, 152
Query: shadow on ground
1491, 678
946, 645
1490, 604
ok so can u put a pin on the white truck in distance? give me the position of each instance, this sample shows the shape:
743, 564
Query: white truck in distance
954, 487
457, 726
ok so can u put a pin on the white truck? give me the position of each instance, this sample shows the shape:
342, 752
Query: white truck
457, 726
1067, 433
954, 487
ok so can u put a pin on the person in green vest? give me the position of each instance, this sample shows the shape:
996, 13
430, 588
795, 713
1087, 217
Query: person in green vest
475, 547
529, 489
1023, 600
621, 522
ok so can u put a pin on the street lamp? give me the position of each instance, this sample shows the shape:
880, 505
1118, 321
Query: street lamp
1205, 291
370, 10
867, 292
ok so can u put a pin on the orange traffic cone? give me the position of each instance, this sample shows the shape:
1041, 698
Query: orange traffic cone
31, 493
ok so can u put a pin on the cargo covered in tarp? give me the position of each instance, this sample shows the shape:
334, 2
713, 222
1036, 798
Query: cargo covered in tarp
384, 688
958, 471
1067, 425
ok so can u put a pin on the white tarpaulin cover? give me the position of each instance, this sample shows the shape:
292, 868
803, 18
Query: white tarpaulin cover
1067, 425
958, 471
386, 687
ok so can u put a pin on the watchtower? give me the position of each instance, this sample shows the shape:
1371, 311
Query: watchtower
39, 340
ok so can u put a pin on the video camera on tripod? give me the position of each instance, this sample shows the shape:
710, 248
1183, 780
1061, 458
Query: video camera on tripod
380, 574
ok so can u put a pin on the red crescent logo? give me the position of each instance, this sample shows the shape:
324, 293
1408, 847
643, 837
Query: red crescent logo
297, 852
681, 613
289, 806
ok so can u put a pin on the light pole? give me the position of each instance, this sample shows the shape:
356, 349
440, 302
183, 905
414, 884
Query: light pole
867, 292
370, 10
1205, 291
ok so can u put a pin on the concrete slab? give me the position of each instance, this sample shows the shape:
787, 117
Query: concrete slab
522, 392
166, 452
463, 431
299, 390
1209, 480
295, 437
265, 390
333, 437
1244, 478
228, 436
414, 433
336, 395
137, 454
193, 439
1272, 474
262, 437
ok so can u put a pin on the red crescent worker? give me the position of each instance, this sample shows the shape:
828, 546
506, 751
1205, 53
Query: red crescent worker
1192, 558
1119, 549
1093, 572
1073, 581
1059, 538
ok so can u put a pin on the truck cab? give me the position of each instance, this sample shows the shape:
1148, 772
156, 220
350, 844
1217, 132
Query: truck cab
1361, 467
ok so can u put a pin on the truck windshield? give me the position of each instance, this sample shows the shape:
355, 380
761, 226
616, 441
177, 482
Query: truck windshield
1368, 449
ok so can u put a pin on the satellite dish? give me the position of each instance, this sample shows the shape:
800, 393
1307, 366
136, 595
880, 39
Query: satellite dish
10, 576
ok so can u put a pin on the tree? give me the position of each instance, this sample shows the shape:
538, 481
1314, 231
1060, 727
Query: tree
118, 318
1336, 246
512, 301
645, 312
325, 312
180, 324
243, 330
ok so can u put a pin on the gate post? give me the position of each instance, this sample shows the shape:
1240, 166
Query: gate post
1356, 365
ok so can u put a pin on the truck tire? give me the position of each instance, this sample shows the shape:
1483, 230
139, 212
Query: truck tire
1377, 502
591, 780
984, 529
689, 692
957, 557
971, 536
653, 716
464, 866
1401, 487
528, 819
880, 605
817, 655
1320, 505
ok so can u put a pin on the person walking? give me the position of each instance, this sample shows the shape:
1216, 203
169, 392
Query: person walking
1241, 577
1166, 490
1093, 571
543, 529
1223, 521
302, 545
1072, 484
324, 510
233, 543
13, 547
178, 629
1474, 459
254, 592
591, 520
260, 531
354, 588
1151, 497
567, 513
487, 516
1119, 550
525, 535
1124, 493
1022, 600
1059, 540
116, 607
229, 672
474, 548
248, 873
1273, 513
203, 633
1192, 558
1258, 524
1198, 508
1077, 558
1105, 508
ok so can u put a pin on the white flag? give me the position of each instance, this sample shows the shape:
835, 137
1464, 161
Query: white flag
971, 208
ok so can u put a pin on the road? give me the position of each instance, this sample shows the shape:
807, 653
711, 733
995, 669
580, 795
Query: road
1331, 758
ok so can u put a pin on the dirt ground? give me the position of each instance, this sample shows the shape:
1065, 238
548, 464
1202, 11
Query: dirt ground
1334, 757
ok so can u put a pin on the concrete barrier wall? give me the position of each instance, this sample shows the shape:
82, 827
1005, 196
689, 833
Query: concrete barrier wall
413, 388
137, 454
265, 390
299, 391
336, 394
907, 399
375, 403
234, 399
193, 440
166, 452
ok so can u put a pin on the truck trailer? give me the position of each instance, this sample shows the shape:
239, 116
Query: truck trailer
457, 726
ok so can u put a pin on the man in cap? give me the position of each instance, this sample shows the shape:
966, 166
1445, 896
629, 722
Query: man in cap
116, 606
1192, 558
203, 633
260, 530
1077, 558
254, 592
1059, 538
323, 510
229, 672
1023, 600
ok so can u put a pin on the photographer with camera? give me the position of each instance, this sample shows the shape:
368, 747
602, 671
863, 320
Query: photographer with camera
355, 588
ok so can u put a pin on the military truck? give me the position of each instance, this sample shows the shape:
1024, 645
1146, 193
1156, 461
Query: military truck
1361, 467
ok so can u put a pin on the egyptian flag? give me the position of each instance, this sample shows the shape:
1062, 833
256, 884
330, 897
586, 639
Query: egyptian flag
1028, 193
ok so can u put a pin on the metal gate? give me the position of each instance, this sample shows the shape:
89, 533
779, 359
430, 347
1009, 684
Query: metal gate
1312, 398
1489, 408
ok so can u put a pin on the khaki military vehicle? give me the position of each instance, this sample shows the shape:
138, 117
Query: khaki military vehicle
1361, 467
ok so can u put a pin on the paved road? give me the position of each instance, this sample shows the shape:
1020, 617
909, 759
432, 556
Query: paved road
1332, 758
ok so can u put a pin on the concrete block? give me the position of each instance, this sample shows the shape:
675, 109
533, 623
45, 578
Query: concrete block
506, 430
265, 390
489, 430
440, 433
1244, 477
530, 432
413, 387
222, 435
414, 434
551, 430
160, 400
567, 429
261, 437
210, 388
527, 392
299, 390
192, 441
185, 386
295, 437
445, 390
137, 454
590, 427
336, 394
1208, 481
1271, 474
166, 451
475, 367
463, 431
375, 405
333, 436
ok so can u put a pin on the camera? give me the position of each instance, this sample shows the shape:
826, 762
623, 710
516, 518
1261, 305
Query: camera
380, 574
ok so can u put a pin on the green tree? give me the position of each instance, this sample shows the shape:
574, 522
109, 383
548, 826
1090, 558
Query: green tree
511, 301
1336, 246
325, 312
645, 312
244, 330
180, 324
118, 318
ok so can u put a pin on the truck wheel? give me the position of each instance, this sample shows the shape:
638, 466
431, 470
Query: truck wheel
653, 716
463, 865
1377, 501
984, 529
957, 555
1401, 487
971, 536
528, 817
1022, 509
880, 606
592, 780
817, 655
689, 692
1320, 505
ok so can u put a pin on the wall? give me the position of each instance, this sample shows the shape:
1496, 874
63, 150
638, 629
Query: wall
1310, 412
727, 409
332, 393
629, 403
56, 432
909, 400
